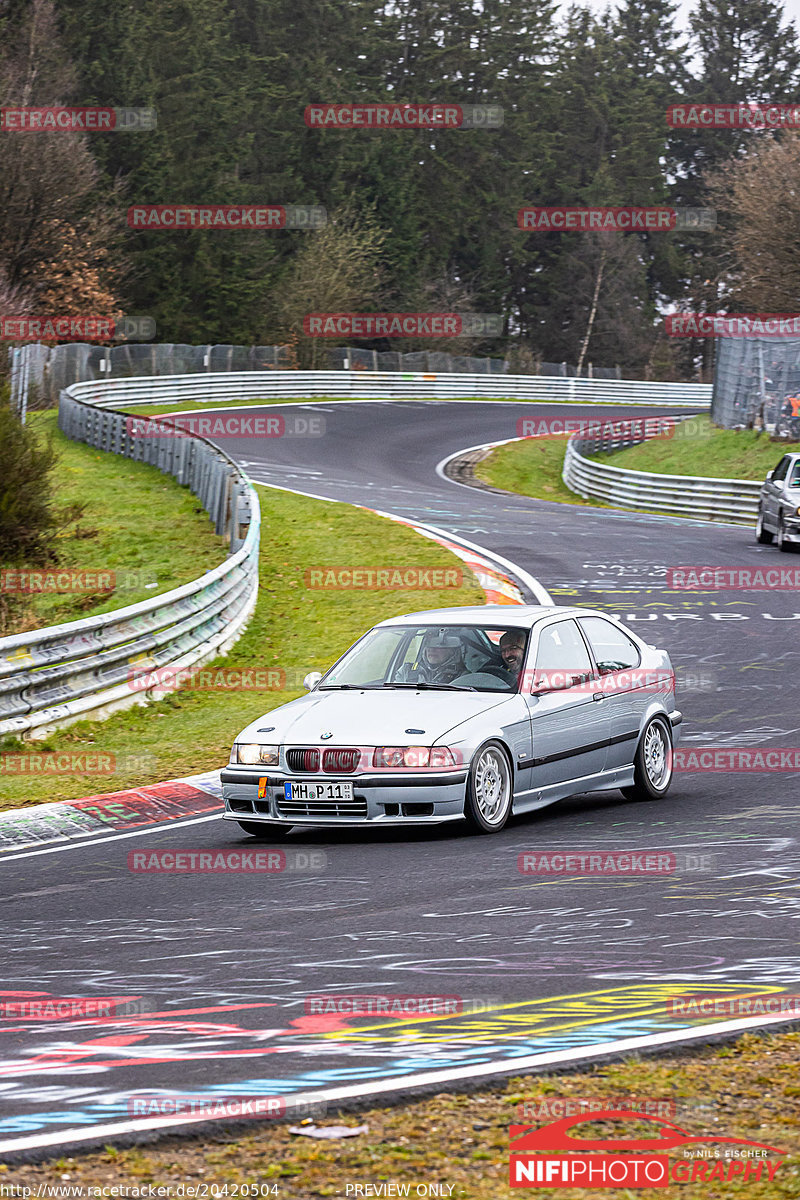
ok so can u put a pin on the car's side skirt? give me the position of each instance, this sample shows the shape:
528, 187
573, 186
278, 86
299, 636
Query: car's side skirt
602, 781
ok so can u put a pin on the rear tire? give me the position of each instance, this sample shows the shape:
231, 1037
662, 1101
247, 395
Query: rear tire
264, 830
489, 789
763, 536
652, 763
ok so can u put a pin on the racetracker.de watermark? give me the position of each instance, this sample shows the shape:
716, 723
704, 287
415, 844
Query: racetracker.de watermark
39, 762
211, 679
43, 1007
657, 681
386, 1004
733, 759
60, 119
638, 427
742, 115
65, 762
597, 862
58, 328
38, 581
732, 325
225, 425
401, 325
576, 218
549, 1108
226, 862
268, 1108
386, 578
384, 115
731, 579
173, 217
709, 1004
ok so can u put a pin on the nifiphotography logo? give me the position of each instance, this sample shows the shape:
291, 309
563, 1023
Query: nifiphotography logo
552, 1156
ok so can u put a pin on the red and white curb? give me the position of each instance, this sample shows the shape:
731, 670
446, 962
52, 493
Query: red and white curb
497, 576
45, 828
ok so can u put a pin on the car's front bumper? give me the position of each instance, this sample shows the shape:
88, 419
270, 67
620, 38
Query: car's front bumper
791, 528
378, 799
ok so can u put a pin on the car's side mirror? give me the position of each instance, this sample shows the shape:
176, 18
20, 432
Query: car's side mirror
311, 680
769, 477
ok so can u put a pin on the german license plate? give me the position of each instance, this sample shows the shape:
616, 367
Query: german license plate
312, 790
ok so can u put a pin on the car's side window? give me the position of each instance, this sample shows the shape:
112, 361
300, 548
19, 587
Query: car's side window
795, 479
781, 469
561, 656
613, 650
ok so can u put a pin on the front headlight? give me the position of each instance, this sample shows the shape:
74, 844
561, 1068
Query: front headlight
412, 756
251, 755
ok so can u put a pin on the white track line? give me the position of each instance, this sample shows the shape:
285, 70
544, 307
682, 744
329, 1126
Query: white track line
542, 595
508, 1066
162, 827
440, 466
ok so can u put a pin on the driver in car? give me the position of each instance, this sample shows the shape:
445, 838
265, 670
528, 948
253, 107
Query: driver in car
441, 660
512, 651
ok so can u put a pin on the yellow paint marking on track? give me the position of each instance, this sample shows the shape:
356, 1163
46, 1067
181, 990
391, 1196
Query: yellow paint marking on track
585, 1008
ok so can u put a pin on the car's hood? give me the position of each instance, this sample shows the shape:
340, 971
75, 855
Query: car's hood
370, 718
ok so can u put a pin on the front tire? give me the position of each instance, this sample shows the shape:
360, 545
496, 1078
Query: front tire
489, 789
763, 536
781, 541
652, 763
263, 830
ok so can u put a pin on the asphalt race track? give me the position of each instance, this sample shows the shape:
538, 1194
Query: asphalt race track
217, 968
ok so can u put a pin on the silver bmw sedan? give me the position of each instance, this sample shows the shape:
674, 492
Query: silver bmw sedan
461, 714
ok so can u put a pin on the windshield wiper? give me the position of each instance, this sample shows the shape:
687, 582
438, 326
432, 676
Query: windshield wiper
433, 687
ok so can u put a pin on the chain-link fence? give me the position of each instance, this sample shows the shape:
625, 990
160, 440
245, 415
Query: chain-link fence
757, 385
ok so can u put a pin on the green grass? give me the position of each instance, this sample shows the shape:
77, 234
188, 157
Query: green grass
138, 523
532, 468
699, 448
293, 629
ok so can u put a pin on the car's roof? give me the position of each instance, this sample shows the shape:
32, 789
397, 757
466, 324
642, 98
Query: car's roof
524, 615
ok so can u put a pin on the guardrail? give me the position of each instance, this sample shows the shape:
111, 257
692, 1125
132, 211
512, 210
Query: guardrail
710, 499
56, 675
387, 385
53, 676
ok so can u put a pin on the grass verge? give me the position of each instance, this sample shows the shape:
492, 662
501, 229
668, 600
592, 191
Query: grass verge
747, 1089
294, 628
139, 525
699, 448
532, 468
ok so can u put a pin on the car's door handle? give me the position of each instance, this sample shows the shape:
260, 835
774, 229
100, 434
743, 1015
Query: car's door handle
598, 696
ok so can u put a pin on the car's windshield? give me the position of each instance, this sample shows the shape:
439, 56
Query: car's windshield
483, 658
